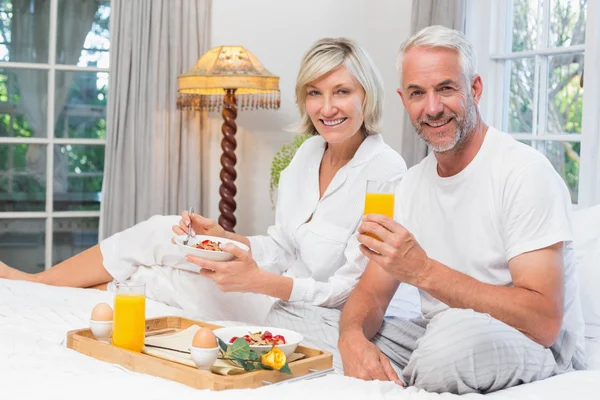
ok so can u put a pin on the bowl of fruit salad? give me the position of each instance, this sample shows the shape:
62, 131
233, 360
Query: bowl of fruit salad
262, 339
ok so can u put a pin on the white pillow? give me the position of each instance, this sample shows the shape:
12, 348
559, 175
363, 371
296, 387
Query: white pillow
586, 231
406, 303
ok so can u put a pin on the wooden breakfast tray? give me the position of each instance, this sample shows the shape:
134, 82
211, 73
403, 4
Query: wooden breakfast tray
316, 362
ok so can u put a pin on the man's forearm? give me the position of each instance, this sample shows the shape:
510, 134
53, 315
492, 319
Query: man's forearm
361, 314
523, 309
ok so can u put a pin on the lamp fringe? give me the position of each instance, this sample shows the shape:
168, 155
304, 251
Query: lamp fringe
246, 101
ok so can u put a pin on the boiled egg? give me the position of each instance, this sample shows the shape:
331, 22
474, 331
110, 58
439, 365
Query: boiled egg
204, 339
102, 312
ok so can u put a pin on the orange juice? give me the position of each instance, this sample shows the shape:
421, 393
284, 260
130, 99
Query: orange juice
379, 203
129, 324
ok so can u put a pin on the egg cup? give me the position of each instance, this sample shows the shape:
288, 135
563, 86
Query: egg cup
102, 330
204, 358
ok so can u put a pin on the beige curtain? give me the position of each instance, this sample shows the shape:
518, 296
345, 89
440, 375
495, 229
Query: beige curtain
450, 13
153, 150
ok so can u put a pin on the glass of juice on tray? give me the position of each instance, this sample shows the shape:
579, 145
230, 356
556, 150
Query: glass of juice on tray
129, 324
380, 199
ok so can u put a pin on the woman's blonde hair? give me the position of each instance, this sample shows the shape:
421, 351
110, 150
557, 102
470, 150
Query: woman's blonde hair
325, 56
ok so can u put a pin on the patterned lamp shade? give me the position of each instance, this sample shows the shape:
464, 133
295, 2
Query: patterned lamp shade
226, 68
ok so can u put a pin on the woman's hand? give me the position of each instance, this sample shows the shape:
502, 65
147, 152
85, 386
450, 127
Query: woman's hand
239, 275
200, 225
243, 274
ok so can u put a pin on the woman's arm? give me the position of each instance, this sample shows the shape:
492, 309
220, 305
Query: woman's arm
335, 291
243, 274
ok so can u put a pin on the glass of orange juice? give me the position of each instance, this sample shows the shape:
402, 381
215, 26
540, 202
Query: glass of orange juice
129, 321
380, 199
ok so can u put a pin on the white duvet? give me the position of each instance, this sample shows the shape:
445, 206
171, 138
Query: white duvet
35, 364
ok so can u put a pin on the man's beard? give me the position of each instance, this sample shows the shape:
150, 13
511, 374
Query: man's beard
464, 125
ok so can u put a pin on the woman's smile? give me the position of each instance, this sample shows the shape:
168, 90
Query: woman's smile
332, 123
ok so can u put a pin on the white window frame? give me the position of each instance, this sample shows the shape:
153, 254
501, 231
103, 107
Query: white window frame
50, 141
486, 28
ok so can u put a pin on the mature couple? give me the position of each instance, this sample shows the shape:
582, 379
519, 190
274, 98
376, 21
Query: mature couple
481, 228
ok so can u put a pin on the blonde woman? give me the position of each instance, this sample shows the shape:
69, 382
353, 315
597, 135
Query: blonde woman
309, 254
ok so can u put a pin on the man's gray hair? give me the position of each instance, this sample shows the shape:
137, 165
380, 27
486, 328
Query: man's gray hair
440, 36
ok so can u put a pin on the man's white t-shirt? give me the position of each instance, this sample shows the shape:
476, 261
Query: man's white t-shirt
509, 200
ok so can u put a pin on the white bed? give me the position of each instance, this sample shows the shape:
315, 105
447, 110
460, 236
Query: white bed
35, 364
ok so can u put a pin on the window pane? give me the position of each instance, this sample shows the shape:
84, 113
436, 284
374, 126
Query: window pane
564, 156
567, 22
5, 17
71, 236
565, 94
22, 177
24, 31
520, 102
83, 108
526, 20
78, 177
22, 243
23, 102
82, 33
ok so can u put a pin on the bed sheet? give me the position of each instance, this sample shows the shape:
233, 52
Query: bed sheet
34, 362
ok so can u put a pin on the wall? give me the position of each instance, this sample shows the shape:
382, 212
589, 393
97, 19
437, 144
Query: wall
278, 33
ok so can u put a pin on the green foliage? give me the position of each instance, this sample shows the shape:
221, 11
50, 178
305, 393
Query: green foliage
563, 95
222, 344
282, 160
78, 159
239, 351
286, 369
84, 163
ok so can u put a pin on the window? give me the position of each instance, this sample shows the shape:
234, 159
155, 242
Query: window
54, 76
535, 71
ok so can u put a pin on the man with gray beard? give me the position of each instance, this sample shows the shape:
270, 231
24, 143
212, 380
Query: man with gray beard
464, 124
482, 229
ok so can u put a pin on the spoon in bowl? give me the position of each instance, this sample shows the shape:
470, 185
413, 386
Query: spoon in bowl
187, 239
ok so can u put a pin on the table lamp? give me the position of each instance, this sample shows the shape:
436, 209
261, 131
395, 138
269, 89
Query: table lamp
223, 79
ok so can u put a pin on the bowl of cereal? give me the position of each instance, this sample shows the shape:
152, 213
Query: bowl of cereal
262, 339
207, 247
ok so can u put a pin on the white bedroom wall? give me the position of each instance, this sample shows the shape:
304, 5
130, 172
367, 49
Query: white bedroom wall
278, 33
